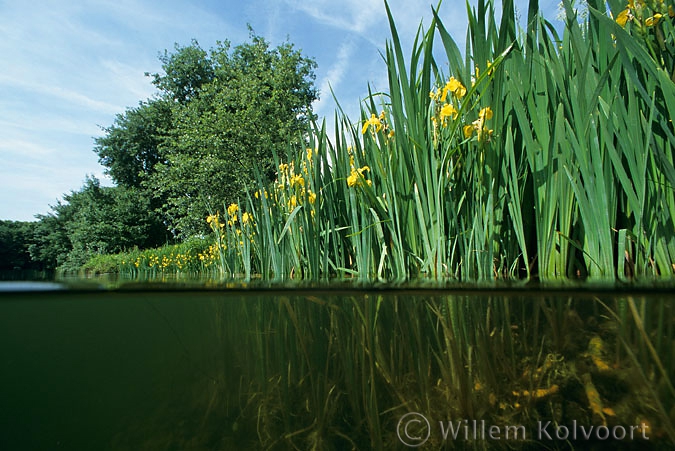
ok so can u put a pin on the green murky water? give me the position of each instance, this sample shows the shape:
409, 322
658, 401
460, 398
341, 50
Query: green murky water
335, 368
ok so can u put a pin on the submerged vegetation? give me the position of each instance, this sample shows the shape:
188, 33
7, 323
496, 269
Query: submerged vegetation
340, 369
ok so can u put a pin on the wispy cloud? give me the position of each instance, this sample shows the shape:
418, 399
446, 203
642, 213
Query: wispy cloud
343, 15
35, 175
61, 93
365, 18
127, 78
11, 149
334, 77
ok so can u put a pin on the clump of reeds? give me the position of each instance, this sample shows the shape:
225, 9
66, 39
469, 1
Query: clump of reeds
534, 154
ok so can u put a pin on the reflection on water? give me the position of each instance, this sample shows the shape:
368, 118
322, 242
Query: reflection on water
19, 285
336, 368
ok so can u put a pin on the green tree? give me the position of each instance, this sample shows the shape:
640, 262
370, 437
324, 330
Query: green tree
108, 220
219, 118
257, 105
15, 240
95, 220
51, 244
131, 147
185, 72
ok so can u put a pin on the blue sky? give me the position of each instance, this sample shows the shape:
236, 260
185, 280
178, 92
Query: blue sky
68, 67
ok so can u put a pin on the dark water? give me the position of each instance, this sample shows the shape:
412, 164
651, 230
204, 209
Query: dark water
332, 368
77, 370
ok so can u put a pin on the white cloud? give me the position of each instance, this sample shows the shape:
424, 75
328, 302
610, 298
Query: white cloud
366, 18
128, 78
35, 175
334, 76
61, 93
340, 15
21, 148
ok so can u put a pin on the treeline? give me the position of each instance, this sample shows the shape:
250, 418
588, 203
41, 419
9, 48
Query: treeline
217, 122
93, 220
16, 242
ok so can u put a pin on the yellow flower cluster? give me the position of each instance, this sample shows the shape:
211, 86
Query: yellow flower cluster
214, 222
291, 188
232, 218
173, 261
258, 193
225, 236
230, 239
246, 218
377, 124
357, 175
143, 260
479, 127
211, 255
640, 12
356, 178
446, 108
232, 210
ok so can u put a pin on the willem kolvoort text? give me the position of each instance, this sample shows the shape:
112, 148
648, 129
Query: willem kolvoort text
545, 430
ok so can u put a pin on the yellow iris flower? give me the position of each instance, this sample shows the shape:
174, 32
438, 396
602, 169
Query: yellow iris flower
479, 125
653, 20
374, 122
232, 209
448, 110
354, 179
485, 113
623, 17
455, 86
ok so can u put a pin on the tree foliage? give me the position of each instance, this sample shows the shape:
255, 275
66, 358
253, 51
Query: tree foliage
109, 219
219, 118
131, 147
51, 244
95, 220
15, 240
185, 71
256, 105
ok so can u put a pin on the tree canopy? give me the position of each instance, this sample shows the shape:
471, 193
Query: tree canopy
130, 148
95, 220
15, 240
219, 118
